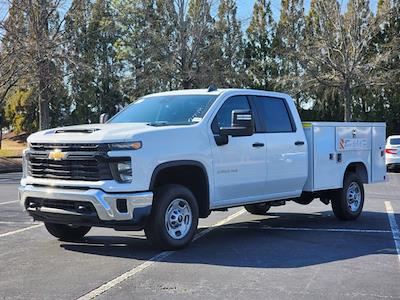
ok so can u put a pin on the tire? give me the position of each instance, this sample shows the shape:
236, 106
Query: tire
174, 217
66, 232
348, 202
258, 208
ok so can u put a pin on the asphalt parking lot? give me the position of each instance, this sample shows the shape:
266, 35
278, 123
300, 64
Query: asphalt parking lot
296, 251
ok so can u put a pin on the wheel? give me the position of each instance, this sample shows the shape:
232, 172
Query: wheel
258, 208
174, 217
348, 202
67, 232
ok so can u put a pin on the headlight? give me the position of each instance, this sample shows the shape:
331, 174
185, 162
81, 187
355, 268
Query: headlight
126, 146
123, 171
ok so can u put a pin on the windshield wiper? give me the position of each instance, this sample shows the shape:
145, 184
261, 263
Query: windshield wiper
158, 124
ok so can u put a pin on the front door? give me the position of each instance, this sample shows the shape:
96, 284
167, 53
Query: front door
239, 166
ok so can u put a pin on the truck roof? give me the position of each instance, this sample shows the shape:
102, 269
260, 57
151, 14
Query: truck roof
216, 92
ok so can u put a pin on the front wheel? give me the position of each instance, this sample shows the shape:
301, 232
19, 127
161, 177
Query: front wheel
348, 202
174, 217
67, 232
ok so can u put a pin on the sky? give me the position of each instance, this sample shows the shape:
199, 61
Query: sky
245, 8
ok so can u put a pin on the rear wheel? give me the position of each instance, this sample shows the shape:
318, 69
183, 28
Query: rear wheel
258, 208
67, 232
174, 217
348, 202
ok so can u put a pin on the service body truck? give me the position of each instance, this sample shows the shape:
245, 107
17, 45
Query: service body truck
171, 158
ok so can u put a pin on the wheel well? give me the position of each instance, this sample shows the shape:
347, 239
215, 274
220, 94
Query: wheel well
359, 169
193, 176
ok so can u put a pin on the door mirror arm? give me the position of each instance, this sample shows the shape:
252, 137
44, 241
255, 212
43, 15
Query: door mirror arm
221, 139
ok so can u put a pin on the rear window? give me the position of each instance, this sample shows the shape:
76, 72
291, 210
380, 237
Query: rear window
395, 141
274, 114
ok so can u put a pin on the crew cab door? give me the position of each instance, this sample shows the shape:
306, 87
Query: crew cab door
286, 148
238, 166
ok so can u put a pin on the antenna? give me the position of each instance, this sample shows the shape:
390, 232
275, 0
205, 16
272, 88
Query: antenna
212, 88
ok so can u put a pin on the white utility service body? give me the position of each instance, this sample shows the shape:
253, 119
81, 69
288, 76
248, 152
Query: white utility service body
332, 146
171, 158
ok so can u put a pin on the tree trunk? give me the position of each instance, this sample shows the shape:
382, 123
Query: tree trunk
347, 103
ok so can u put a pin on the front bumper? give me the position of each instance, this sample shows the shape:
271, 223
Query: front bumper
62, 205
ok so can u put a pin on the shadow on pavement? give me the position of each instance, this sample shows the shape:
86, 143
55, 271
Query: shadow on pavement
245, 244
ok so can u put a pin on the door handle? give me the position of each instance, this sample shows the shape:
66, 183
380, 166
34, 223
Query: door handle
299, 143
258, 145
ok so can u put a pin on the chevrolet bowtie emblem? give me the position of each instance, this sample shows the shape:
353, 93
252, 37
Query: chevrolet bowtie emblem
57, 155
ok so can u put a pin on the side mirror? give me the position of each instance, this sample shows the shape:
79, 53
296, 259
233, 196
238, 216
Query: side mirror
242, 124
104, 118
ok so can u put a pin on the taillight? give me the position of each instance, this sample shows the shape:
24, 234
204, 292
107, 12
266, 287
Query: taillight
391, 151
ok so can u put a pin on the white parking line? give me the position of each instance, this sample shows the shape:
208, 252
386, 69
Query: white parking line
9, 202
394, 227
309, 229
20, 230
110, 284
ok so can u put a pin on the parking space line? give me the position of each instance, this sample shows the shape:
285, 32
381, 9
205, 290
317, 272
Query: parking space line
394, 227
117, 280
20, 230
9, 202
309, 229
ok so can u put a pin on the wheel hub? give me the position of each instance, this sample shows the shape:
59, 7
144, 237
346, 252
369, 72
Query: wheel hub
178, 218
354, 196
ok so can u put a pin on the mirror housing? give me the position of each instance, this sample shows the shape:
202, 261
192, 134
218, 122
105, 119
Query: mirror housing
242, 124
104, 118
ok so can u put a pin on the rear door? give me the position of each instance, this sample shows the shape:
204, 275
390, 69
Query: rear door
286, 148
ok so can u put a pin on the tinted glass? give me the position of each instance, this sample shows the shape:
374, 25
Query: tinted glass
395, 141
166, 110
274, 114
224, 115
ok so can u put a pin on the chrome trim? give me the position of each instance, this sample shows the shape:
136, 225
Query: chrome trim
104, 203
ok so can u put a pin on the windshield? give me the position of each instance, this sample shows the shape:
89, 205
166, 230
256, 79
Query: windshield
166, 110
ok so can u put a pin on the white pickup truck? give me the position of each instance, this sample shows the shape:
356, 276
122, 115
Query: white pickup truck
171, 158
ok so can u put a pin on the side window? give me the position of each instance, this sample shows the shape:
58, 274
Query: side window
274, 114
224, 115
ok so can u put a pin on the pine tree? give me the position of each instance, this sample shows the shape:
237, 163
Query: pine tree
230, 41
289, 38
259, 55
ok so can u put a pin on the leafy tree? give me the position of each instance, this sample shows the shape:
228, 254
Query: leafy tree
336, 54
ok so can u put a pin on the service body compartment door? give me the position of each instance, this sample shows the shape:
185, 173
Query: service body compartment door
378, 154
327, 172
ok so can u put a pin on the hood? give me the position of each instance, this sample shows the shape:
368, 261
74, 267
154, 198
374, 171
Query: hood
91, 133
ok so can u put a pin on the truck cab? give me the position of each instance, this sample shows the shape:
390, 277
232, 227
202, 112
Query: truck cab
171, 158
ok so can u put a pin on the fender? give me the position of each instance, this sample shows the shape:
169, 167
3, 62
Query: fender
183, 163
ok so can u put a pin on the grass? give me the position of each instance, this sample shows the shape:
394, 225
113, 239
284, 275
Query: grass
11, 148
10, 152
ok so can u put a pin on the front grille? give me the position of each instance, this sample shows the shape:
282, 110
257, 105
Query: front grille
82, 162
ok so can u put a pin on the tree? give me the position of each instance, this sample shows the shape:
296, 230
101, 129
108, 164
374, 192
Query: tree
230, 65
336, 55
259, 53
33, 33
289, 38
